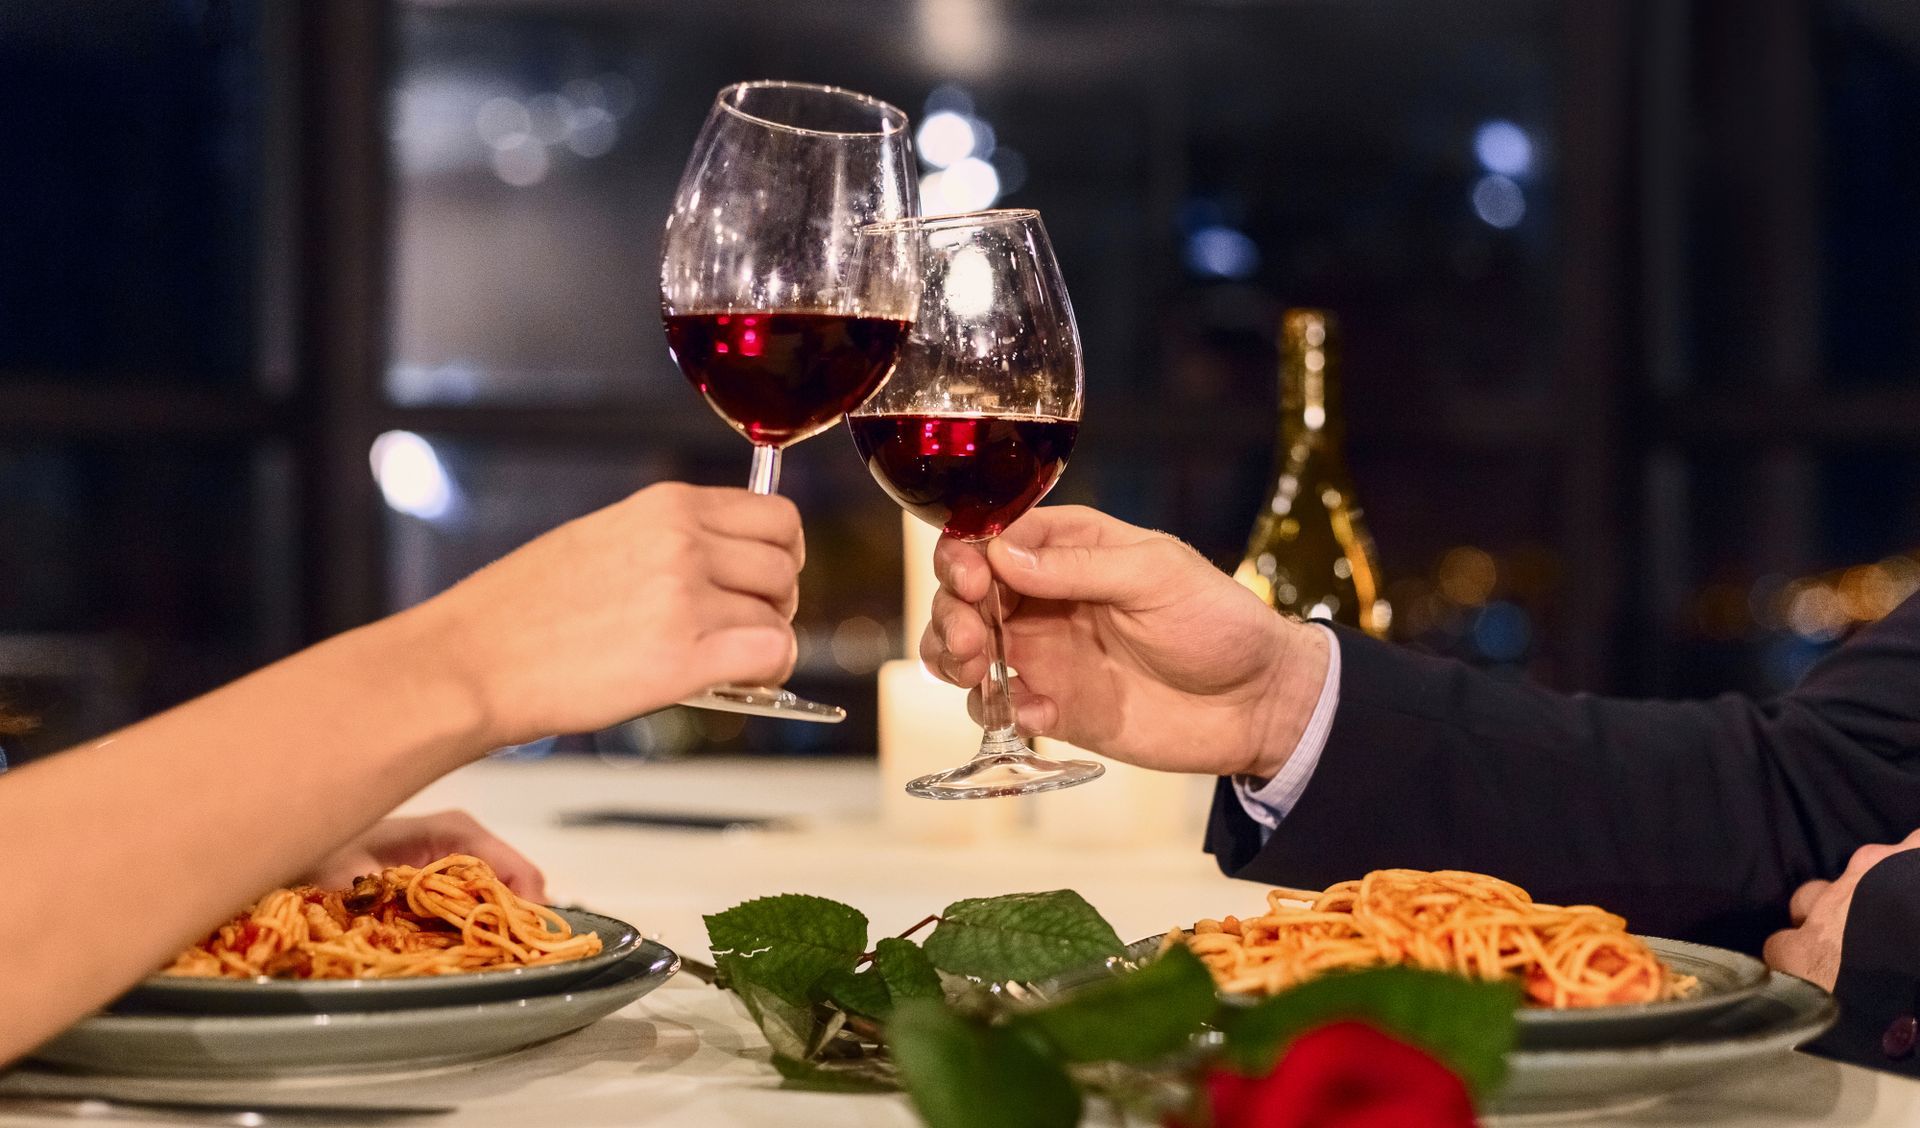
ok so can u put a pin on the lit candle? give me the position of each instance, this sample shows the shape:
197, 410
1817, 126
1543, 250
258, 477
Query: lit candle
1128, 806
917, 541
924, 726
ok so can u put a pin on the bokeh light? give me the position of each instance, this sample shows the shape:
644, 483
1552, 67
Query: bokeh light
1499, 202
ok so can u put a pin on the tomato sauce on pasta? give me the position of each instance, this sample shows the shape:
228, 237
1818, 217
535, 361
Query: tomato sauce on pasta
452, 916
1467, 924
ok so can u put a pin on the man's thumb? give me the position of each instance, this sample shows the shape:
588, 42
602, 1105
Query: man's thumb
1085, 573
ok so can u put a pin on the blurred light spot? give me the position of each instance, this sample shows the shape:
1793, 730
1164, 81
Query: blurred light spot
1325, 609
592, 132
1503, 147
969, 283
503, 122
1498, 202
985, 141
549, 117
717, 727
1789, 659
1501, 631
1222, 252
1343, 568
1467, 575
585, 92
1012, 168
523, 165
410, 475
670, 732
969, 185
1903, 574
945, 139
861, 644
960, 37
1814, 612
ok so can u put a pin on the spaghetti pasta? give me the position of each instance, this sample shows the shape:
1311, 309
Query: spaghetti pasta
1468, 924
454, 915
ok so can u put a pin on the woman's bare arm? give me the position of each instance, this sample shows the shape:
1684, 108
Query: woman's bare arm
116, 855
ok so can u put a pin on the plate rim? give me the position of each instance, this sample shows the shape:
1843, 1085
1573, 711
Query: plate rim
662, 961
1815, 1016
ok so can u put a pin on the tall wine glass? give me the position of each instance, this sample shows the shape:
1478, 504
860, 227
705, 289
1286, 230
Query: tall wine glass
975, 427
777, 307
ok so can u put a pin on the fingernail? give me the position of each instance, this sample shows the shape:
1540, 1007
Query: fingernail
1025, 557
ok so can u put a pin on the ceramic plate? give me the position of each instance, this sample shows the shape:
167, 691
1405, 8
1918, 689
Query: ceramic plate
1785, 1013
178, 994
175, 1045
1727, 979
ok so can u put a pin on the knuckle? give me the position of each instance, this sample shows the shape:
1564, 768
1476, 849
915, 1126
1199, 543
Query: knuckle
1866, 857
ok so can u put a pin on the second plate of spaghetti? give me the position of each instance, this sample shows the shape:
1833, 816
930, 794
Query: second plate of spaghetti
1586, 981
449, 932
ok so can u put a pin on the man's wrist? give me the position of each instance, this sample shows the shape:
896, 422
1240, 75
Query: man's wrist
1292, 690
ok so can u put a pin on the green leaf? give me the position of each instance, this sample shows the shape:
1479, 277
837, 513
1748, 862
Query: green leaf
788, 941
1138, 1017
855, 992
1021, 937
791, 1029
907, 970
966, 1074
866, 1076
1468, 1025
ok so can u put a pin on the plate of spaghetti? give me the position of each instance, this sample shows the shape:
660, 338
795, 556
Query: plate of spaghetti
448, 932
1585, 979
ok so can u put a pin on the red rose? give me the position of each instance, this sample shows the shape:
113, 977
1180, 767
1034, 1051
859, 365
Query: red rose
1346, 1075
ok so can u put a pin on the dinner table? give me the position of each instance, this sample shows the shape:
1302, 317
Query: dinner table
659, 843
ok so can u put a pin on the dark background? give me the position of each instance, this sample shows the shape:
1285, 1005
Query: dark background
1631, 293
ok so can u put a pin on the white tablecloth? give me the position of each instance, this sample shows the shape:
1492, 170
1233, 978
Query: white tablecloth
686, 1055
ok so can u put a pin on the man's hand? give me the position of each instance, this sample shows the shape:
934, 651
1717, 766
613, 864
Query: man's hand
1128, 643
1811, 948
417, 841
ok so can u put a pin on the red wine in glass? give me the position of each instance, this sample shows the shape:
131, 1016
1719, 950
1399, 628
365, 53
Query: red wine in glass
782, 377
971, 475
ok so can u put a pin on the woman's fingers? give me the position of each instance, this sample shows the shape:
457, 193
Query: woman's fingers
758, 569
769, 519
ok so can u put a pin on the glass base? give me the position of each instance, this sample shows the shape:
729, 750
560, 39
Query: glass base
766, 701
991, 775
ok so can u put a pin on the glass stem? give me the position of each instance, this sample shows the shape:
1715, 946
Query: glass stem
766, 470
996, 697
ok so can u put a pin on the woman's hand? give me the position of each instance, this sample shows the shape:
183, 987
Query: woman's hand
624, 611
1128, 643
427, 838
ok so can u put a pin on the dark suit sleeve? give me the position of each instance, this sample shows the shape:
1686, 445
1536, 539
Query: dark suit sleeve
1879, 965
1692, 819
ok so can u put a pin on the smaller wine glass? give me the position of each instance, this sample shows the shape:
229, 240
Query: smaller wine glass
974, 428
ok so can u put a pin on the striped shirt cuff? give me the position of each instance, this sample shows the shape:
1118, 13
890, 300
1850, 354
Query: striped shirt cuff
1267, 803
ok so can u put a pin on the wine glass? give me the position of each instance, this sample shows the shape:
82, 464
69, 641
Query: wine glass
778, 309
975, 427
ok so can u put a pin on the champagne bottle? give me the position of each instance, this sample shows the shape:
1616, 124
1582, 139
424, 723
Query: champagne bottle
1310, 554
